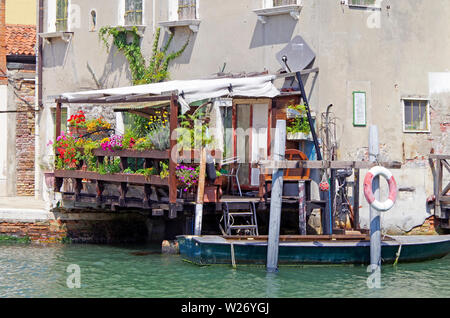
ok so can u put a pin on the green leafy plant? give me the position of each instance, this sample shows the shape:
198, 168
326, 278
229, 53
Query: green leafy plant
157, 69
193, 129
298, 124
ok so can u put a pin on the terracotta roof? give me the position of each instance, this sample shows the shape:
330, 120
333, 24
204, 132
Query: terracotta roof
20, 39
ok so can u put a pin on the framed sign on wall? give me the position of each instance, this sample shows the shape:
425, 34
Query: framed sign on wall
359, 109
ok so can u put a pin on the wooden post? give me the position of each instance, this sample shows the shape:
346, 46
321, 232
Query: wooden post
438, 189
302, 207
200, 194
356, 199
276, 198
375, 226
332, 197
172, 162
58, 119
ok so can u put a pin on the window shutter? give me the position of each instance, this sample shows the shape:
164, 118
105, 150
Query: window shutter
187, 9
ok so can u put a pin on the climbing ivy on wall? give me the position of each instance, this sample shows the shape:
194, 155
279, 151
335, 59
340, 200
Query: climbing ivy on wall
156, 70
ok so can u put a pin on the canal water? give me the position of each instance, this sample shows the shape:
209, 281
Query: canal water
129, 271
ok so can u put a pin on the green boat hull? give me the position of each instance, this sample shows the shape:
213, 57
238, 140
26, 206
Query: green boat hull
209, 250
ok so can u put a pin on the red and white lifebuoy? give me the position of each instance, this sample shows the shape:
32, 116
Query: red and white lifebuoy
368, 192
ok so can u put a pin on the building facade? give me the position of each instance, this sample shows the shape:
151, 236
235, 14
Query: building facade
17, 98
381, 63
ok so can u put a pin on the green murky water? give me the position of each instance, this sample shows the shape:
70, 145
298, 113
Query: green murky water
113, 271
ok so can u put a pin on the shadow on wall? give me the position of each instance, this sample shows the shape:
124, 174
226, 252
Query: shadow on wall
55, 53
115, 70
180, 37
277, 30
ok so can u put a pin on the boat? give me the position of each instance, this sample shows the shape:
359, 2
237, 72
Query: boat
311, 249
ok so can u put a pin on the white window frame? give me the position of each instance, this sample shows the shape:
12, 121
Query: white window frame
121, 11
51, 16
269, 10
173, 10
267, 4
407, 131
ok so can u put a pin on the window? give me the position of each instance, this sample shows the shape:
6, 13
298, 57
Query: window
63, 120
61, 15
187, 9
277, 3
361, 3
416, 115
133, 12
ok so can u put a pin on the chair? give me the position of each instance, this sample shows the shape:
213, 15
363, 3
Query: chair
233, 173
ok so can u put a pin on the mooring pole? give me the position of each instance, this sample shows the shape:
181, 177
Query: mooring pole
375, 223
276, 198
200, 194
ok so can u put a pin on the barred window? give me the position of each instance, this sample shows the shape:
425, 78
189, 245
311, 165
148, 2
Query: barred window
277, 3
416, 115
187, 9
133, 12
363, 3
61, 15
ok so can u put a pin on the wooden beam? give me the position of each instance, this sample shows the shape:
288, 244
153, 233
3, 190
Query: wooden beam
304, 72
291, 164
172, 161
58, 119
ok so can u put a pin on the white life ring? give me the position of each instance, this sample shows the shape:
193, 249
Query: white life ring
368, 192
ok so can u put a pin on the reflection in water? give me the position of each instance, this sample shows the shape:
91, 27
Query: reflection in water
141, 271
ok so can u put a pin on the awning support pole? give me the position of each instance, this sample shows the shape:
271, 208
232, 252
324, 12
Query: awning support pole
308, 113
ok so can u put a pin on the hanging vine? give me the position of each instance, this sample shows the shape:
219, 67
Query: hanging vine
157, 68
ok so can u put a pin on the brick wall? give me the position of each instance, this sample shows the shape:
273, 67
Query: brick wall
45, 232
25, 130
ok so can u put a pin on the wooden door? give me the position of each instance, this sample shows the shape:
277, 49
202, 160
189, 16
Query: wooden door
251, 138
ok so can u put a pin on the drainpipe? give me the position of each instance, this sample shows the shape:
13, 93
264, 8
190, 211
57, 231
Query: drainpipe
39, 53
38, 193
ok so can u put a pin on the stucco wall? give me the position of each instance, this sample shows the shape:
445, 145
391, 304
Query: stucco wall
21, 12
389, 54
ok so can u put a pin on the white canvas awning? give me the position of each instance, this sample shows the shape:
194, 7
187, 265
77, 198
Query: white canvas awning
190, 90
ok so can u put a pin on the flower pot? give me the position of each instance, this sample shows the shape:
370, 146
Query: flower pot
299, 136
49, 179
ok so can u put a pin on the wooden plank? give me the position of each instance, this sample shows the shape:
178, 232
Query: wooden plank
305, 238
304, 72
440, 157
172, 163
151, 154
118, 177
291, 164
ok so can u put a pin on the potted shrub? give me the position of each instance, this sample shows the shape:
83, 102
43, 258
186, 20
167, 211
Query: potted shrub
77, 124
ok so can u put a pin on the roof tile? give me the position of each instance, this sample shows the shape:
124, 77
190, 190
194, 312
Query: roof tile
20, 39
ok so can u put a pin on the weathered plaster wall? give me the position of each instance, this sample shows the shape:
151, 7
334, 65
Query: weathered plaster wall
389, 54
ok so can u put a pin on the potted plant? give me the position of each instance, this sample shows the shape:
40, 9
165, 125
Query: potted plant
48, 169
77, 124
98, 127
297, 124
